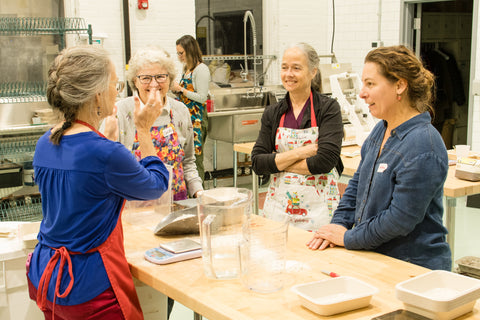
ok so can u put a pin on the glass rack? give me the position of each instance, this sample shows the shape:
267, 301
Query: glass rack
35, 25
18, 92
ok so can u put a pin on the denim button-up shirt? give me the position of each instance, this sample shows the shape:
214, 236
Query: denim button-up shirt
393, 204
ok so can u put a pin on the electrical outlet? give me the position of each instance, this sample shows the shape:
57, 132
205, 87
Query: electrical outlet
376, 44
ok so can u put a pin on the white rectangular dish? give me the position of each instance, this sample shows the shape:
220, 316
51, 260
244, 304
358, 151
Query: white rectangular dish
335, 295
439, 294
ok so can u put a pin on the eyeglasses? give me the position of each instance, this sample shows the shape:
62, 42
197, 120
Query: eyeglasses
146, 79
119, 85
179, 53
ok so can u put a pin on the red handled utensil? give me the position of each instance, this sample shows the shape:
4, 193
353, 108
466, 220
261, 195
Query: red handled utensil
331, 274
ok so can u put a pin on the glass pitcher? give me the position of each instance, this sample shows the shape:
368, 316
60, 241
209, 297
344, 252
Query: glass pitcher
222, 215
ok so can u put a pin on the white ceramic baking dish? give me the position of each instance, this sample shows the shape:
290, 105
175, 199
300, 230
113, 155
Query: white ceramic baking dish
335, 295
439, 294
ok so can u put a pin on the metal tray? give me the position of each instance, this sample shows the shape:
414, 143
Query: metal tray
183, 221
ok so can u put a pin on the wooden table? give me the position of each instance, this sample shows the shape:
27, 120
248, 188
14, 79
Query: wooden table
186, 282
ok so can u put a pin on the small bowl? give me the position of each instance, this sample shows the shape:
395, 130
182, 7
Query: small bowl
439, 294
335, 295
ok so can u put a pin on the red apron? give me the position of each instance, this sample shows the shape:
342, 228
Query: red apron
113, 255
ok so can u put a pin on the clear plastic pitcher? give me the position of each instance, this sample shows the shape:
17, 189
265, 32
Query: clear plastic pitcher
263, 254
222, 215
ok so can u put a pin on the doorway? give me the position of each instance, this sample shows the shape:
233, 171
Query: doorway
440, 33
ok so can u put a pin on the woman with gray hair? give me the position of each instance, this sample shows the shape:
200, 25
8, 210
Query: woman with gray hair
152, 70
78, 269
299, 143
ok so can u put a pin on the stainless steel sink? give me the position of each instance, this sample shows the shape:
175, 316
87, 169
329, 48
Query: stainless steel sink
237, 113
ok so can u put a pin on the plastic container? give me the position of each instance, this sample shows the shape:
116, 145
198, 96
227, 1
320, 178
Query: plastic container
335, 295
439, 294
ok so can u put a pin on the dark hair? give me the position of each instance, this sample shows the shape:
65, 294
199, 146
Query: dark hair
193, 53
313, 61
399, 62
76, 75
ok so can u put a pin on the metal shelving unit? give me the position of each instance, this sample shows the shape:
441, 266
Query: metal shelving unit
19, 92
18, 137
51, 26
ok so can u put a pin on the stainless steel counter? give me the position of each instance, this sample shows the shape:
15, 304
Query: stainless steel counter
235, 125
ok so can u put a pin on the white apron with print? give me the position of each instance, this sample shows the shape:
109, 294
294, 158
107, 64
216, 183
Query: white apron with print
309, 200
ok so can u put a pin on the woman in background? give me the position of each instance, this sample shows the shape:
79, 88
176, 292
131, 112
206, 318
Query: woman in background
78, 269
393, 204
299, 143
192, 90
152, 70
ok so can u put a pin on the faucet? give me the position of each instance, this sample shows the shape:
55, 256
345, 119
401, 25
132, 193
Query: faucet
244, 73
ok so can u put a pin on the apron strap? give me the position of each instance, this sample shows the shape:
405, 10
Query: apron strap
89, 126
312, 114
63, 255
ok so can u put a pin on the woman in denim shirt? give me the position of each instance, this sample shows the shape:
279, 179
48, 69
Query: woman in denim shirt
393, 204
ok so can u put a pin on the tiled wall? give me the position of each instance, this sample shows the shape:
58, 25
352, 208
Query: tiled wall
161, 25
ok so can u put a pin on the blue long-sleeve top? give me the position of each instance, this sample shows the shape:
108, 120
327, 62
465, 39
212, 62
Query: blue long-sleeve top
83, 182
393, 204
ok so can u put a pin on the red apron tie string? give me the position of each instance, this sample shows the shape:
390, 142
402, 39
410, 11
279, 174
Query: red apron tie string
63, 255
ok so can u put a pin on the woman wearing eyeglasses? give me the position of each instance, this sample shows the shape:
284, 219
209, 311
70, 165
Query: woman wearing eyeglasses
192, 90
152, 69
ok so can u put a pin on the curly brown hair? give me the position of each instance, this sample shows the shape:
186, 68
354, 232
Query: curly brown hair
399, 62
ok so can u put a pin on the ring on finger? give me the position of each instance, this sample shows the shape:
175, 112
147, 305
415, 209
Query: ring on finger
150, 104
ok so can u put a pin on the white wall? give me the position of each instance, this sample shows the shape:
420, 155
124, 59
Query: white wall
161, 25
356, 26
475, 114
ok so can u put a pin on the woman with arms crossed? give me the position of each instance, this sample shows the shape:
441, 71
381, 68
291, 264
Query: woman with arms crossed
299, 143
393, 204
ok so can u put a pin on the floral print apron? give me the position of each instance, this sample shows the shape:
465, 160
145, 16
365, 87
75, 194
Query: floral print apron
197, 112
309, 200
170, 151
